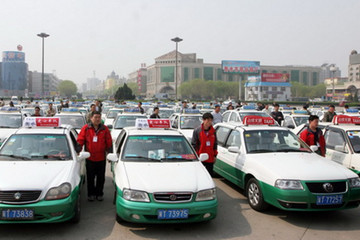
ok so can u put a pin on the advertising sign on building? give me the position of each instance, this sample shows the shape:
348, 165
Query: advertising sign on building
275, 77
13, 56
254, 78
240, 67
139, 80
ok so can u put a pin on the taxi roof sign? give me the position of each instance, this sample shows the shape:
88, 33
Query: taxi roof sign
344, 119
76, 110
248, 107
9, 109
300, 112
352, 110
258, 120
41, 122
152, 123
131, 110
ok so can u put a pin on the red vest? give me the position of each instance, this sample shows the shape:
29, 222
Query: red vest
207, 144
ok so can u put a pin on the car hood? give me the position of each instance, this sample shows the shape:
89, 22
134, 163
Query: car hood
165, 176
297, 166
33, 175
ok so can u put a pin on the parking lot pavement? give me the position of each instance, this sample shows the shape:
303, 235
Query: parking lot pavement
235, 220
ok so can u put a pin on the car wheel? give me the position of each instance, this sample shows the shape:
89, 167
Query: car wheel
77, 211
255, 196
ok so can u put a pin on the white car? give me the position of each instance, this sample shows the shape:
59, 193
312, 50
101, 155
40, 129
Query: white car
111, 115
73, 118
295, 119
41, 173
237, 115
10, 121
275, 167
159, 178
186, 122
124, 120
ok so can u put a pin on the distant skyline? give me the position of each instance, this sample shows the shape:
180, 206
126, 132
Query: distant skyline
119, 35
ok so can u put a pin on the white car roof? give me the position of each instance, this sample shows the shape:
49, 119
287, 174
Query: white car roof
345, 127
42, 130
234, 125
133, 131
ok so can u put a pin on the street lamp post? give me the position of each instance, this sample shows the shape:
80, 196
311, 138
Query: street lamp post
43, 36
176, 40
333, 70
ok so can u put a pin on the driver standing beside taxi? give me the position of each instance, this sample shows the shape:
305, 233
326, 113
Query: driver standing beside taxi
204, 141
313, 135
97, 140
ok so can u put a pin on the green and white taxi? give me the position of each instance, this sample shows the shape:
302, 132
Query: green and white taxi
125, 119
275, 167
159, 178
186, 121
41, 173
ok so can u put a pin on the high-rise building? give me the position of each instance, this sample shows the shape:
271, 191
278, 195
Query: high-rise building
13, 73
92, 83
329, 71
140, 78
354, 66
51, 83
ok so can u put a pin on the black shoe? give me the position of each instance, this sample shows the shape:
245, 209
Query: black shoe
91, 198
100, 198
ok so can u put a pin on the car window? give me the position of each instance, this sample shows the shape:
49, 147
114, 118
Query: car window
153, 148
10, 121
226, 116
222, 134
124, 120
233, 117
354, 137
190, 122
335, 140
234, 139
288, 121
120, 141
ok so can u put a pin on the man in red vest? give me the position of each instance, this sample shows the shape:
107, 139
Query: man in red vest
313, 135
98, 142
204, 141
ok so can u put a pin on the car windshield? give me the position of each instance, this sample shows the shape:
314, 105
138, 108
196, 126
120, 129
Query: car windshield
354, 137
36, 147
123, 121
158, 148
75, 121
190, 122
262, 141
31, 111
113, 113
10, 121
301, 120
165, 113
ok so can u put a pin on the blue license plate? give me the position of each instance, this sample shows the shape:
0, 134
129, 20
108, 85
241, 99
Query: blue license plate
17, 214
329, 200
173, 214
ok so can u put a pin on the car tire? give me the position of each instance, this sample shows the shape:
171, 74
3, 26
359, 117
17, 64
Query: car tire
255, 196
77, 210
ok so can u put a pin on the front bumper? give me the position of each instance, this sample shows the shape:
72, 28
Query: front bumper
50, 211
304, 200
143, 212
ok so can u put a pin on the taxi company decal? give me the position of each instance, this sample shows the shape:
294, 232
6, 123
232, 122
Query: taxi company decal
149, 123
41, 122
258, 120
344, 119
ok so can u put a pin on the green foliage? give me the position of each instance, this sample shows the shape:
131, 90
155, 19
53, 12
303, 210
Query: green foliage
300, 90
67, 88
124, 93
208, 90
134, 88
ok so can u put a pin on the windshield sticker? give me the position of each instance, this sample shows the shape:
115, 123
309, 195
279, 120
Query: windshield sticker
188, 156
247, 135
156, 154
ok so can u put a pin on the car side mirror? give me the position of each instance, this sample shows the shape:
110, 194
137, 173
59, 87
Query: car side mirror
234, 149
110, 126
84, 155
314, 148
112, 157
203, 157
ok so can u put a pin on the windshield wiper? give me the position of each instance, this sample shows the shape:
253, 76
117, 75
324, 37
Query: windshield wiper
5, 127
290, 150
15, 156
145, 158
261, 151
50, 157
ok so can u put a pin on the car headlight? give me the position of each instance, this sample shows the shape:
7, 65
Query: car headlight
354, 182
60, 192
136, 196
289, 184
206, 195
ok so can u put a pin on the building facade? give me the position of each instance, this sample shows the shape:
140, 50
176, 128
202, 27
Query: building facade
51, 83
354, 67
140, 78
161, 75
14, 74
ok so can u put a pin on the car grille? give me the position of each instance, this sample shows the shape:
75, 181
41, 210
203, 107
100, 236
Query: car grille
19, 196
173, 197
318, 187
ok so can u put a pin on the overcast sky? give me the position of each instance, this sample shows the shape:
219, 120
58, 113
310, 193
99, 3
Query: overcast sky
119, 35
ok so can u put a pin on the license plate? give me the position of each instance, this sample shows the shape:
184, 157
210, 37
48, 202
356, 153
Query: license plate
173, 214
17, 214
329, 200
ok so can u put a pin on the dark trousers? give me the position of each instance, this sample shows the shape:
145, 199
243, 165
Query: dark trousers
95, 170
209, 167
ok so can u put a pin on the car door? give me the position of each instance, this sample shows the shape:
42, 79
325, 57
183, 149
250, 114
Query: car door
226, 116
337, 148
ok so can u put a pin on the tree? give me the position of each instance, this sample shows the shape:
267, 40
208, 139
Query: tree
124, 93
67, 88
134, 88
